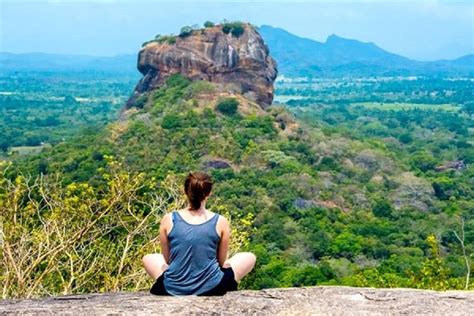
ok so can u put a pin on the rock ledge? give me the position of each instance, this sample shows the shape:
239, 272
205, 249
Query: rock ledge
294, 301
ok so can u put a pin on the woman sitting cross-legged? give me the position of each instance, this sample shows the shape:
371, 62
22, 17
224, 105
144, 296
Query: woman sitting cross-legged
194, 245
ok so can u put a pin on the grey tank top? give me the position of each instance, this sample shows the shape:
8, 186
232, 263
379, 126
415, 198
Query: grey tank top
193, 268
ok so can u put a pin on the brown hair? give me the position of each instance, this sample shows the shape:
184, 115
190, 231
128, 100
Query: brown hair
197, 186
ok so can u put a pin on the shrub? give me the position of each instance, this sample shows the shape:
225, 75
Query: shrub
226, 28
141, 101
208, 24
228, 106
382, 208
237, 31
444, 187
423, 160
170, 39
202, 87
171, 121
235, 28
185, 31
177, 80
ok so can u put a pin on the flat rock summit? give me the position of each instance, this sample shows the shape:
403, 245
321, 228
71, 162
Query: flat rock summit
289, 301
237, 62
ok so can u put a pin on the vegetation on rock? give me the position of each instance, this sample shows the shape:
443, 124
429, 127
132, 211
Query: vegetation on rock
235, 28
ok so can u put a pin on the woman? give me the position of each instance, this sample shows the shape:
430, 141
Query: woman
194, 245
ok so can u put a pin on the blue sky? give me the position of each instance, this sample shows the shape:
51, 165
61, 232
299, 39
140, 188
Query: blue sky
424, 30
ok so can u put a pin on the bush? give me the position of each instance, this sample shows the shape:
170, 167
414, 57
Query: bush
382, 208
228, 106
141, 101
202, 87
237, 31
177, 80
185, 31
444, 188
171, 121
170, 39
208, 24
235, 28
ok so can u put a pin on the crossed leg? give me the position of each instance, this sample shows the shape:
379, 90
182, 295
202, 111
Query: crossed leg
242, 263
155, 264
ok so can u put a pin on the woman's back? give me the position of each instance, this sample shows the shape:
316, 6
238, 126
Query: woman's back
193, 267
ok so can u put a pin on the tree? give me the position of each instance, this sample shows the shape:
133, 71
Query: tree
171, 121
423, 160
177, 80
444, 187
466, 257
185, 31
346, 245
382, 208
433, 274
208, 24
4, 146
141, 101
70, 100
228, 106
235, 28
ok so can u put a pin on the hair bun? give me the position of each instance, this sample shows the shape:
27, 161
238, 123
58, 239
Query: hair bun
197, 187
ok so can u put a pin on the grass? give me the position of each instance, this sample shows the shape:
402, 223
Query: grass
397, 106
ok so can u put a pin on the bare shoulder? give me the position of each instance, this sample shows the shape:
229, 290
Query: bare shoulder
222, 221
168, 216
166, 220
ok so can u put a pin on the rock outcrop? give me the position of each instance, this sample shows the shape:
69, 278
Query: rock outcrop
333, 300
240, 64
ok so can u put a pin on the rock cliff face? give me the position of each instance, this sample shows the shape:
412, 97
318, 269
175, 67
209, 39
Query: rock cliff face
240, 64
320, 300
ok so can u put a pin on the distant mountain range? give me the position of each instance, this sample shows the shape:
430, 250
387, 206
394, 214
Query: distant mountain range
33, 62
296, 57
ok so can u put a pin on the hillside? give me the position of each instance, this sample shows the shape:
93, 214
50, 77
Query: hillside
298, 57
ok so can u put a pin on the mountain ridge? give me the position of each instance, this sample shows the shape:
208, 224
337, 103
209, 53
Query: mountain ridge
39, 61
337, 56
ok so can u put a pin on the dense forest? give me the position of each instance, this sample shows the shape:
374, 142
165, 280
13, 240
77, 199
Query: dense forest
348, 191
47, 108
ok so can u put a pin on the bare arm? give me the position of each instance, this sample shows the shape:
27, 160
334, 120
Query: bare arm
165, 225
223, 248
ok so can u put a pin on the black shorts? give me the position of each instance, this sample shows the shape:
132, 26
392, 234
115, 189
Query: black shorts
227, 284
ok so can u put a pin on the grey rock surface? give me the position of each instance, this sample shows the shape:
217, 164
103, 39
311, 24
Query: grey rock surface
289, 301
239, 64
